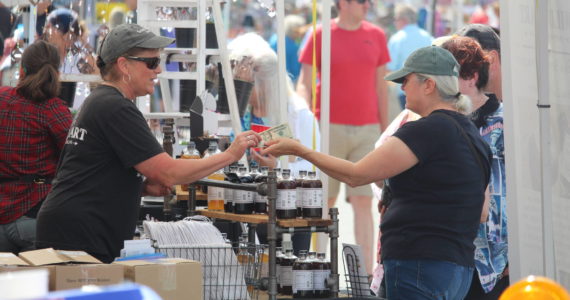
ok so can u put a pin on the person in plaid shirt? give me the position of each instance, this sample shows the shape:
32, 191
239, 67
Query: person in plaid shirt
33, 128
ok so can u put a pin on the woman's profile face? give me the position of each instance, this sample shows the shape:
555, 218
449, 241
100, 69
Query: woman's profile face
142, 78
412, 87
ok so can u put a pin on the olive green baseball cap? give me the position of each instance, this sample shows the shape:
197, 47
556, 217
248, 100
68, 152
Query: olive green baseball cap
430, 60
127, 36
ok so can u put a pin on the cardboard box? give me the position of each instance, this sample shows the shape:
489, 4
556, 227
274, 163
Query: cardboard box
171, 278
10, 259
9, 262
50, 256
73, 269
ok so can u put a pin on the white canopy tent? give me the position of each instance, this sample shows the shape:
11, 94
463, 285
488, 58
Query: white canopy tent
535, 39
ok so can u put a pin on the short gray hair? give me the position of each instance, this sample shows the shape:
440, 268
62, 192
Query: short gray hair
448, 89
406, 12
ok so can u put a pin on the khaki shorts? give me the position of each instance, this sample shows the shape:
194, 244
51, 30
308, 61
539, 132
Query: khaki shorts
352, 143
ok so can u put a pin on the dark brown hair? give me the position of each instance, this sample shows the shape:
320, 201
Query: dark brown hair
40, 64
471, 57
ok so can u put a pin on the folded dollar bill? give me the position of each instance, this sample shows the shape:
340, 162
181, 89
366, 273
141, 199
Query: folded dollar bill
275, 132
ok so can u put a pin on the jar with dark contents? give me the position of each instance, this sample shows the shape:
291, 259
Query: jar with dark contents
312, 196
260, 202
321, 272
243, 200
286, 278
302, 277
231, 176
299, 202
286, 197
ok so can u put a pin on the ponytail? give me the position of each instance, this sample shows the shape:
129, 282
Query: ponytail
40, 81
40, 86
463, 104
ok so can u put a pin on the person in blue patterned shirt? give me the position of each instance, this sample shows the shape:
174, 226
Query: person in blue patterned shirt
491, 260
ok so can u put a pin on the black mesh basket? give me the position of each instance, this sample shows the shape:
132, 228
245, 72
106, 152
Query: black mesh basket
228, 272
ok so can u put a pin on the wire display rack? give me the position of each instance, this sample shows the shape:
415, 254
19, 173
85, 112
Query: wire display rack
357, 285
229, 273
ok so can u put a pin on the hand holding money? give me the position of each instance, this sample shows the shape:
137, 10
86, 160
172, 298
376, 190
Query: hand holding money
279, 131
284, 146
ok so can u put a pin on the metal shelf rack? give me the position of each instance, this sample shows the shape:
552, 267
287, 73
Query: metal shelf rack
275, 226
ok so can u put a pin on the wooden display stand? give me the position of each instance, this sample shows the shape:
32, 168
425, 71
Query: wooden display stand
263, 219
185, 195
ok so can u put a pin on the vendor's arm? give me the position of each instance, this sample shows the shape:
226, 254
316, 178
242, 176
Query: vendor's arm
392, 158
163, 169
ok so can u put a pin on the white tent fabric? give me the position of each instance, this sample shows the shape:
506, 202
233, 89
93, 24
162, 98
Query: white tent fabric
536, 67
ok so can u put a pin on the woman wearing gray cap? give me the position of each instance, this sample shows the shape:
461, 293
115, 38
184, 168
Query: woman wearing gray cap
93, 205
438, 168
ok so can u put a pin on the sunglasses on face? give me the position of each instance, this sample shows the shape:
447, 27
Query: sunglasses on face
151, 62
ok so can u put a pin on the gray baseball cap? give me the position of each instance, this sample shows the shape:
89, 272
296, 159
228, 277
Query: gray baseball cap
484, 34
430, 60
127, 36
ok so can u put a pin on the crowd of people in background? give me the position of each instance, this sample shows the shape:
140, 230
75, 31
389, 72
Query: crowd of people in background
370, 39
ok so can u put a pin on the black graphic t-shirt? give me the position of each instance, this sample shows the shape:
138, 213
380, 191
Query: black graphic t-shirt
93, 205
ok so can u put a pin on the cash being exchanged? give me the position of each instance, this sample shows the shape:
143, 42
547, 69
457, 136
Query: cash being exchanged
275, 132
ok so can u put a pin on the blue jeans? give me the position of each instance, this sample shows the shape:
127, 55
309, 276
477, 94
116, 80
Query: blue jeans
18, 236
426, 279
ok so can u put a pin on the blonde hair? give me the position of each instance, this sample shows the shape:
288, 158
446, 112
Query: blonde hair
265, 75
448, 89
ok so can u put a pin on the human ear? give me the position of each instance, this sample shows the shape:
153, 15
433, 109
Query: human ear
122, 63
429, 86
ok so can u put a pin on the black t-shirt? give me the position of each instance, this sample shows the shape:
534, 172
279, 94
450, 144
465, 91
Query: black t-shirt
93, 205
437, 203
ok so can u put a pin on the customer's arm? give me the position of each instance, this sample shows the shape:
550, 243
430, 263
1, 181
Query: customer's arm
304, 83
382, 94
392, 158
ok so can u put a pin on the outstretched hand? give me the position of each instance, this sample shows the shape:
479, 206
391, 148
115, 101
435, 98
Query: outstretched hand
283, 146
264, 160
244, 140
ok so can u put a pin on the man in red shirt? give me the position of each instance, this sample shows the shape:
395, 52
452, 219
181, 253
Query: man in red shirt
358, 100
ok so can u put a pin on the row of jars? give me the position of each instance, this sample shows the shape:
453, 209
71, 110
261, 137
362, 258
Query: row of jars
296, 197
304, 276
299, 196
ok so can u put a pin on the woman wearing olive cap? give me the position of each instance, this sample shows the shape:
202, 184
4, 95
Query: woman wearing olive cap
437, 181
93, 205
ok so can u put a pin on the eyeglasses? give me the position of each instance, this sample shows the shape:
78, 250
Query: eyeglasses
151, 62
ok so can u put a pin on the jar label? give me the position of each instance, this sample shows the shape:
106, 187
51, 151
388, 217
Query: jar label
228, 195
215, 193
286, 199
312, 197
286, 275
319, 277
260, 199
299, 201
243, 197
302, 280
